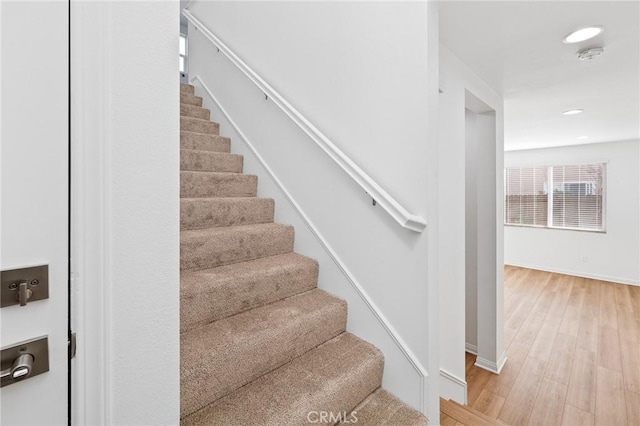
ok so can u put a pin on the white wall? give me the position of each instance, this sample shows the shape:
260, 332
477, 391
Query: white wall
612, 256
490, 242
360, 72
126, 213
471, 236
456, 82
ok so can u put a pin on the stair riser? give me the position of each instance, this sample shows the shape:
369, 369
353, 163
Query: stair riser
199, 126
210, 161
195, 112
187, 89
231, 294
212, 368
232, 246
199, 141
190, 100
200, 184
219, 212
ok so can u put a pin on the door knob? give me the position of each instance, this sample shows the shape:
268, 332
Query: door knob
21, 368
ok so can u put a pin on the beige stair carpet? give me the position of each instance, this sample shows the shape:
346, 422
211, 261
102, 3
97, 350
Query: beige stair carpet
260, 343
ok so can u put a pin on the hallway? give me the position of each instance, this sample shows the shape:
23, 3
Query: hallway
573, 348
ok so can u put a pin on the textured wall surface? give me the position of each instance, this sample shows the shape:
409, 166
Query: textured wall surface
145, 212
126, 212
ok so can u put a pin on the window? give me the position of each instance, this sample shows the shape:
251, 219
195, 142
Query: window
575, 201
183, 52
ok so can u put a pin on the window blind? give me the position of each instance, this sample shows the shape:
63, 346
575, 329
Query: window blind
526, 196
578, 196
570, 197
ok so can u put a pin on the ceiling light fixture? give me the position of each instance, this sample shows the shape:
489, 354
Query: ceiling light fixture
583, 34
573, 111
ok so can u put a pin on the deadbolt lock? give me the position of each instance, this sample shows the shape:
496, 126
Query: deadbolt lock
23, 360
21, 368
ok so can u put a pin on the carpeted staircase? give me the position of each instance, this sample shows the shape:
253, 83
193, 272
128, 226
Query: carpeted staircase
260, 344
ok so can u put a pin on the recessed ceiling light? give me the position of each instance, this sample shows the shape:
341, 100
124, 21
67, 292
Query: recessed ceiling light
582, 137
573, 112
582, 34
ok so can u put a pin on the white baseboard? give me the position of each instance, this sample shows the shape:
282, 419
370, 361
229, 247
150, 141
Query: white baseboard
453, 387
494, 367
471, 348
618, 280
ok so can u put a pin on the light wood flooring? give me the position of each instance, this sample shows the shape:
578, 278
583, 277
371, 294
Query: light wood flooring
573, 348
454, 414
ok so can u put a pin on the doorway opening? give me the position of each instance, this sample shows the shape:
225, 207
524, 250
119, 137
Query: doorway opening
482, 311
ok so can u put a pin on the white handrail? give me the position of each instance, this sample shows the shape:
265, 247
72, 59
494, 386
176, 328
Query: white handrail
375, 191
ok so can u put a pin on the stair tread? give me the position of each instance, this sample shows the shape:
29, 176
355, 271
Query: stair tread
198, 213
211, 161
211, 247
198, 120
199, 125
220, 357
189, 107
214, 232
206, 172
335, 376
206, 184
381, 408
465, 414
204, 151
212, 294
189, 281
187, 98
189, 132
204, 141
229, 199
187, 89
187, 110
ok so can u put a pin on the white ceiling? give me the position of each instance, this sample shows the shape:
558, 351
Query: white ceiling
516, 47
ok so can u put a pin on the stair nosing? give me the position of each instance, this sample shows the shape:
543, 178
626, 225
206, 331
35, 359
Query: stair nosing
222, 228
224, 198
211, 152
200, 119
209, 134
219, 173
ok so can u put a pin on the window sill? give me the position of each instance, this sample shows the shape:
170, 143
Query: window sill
555, 228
